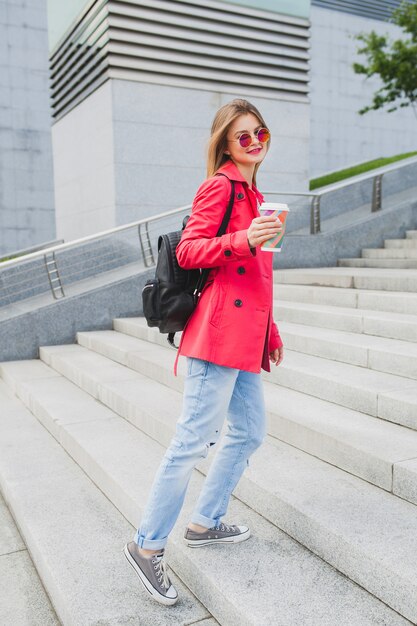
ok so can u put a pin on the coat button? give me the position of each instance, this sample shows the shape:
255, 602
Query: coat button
241, 270
238, 302
240, 196
227, 253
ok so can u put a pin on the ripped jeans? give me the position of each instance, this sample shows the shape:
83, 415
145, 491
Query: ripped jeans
210, 392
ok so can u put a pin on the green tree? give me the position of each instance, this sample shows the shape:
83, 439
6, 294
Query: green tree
394, 62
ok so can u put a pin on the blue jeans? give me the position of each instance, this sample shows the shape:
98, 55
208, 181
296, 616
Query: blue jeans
210, 392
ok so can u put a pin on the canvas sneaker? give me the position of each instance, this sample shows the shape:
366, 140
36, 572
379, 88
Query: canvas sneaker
223, 533
152, 573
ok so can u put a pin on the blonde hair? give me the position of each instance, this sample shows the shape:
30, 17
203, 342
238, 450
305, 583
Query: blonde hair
217, 144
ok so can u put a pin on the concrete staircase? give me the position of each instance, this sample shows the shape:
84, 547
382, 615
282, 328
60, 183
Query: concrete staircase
396, 253
331, 496
20, 584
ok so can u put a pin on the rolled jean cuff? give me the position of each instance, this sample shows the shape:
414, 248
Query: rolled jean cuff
201, 520
150, 544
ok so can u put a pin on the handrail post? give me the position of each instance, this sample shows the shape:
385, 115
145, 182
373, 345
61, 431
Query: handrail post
315, 215
376, 204
54, 276
147, 252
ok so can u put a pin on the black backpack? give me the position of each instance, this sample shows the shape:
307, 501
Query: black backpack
170, 298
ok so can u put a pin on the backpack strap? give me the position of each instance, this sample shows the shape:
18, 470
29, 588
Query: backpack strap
228, 213
225, 221
205, 272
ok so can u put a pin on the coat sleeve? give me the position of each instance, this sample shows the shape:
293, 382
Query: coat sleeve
199, 246
275, 340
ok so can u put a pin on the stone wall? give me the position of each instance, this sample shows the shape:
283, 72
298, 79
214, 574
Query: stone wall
26, 169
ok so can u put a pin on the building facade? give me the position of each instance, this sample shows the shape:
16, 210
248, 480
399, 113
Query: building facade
27, 215
121, 130
135, 86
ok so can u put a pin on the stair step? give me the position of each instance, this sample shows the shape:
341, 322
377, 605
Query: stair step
365, 446
372, 352
348, 385
377, 353
400, 243
23, 599
74, 534
378, 323
406, 263
355, 532
357, 278
383, 301
390, 253
411, 234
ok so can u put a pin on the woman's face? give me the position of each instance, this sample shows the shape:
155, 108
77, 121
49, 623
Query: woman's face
252, 154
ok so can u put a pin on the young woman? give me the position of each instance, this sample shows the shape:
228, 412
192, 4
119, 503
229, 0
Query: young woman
230, 336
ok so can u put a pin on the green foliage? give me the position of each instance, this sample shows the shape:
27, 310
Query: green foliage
394, 62
335, 177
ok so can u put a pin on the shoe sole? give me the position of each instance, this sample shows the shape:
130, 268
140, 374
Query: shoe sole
145, 582
197, 543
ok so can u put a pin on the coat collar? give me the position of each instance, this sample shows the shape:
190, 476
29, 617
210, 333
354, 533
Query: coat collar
233, 173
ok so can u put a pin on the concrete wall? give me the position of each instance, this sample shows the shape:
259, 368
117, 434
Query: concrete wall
160, 136
84, 167
26, 170
339, 135
134, 149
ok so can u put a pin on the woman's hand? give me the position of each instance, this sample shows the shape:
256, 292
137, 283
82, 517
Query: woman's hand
277, 355
262, 229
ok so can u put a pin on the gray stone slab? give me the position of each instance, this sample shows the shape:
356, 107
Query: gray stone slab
10, 539
348, 439
350, 386
400, 243
399, 405
60, 403
357, 278
304, 588
28, 370
381, 263
378, 323
23, 598
377, 353
404, 480
110, 455
85, 368
74, 534
302, 250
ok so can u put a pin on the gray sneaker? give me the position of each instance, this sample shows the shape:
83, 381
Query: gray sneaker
223, 533
152, 573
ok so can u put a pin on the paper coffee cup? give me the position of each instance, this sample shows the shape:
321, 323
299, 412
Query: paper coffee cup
279, 210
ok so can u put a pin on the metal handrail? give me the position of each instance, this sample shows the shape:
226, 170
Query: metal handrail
88, 238
54, 274
376, 201
35, 248
147, 220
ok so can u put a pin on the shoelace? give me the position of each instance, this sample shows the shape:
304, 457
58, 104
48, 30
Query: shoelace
224, 527
160, 570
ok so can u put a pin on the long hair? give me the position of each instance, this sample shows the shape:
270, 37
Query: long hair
217, 144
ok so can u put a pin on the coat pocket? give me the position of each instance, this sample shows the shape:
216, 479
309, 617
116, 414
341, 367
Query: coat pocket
216, 304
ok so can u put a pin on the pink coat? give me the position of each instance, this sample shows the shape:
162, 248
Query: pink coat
232, 324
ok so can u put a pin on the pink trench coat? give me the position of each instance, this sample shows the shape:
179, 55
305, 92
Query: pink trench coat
232, 324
